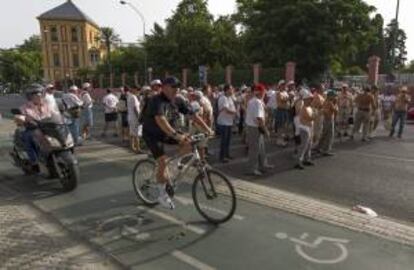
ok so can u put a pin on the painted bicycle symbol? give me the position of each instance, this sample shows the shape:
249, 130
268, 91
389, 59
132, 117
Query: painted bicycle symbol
301, 245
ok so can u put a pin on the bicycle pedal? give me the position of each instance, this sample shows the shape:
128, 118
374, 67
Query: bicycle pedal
170, 190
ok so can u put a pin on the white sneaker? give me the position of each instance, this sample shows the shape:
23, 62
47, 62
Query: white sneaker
165, 201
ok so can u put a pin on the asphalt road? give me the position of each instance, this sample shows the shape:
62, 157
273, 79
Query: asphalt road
104, 211
379, 174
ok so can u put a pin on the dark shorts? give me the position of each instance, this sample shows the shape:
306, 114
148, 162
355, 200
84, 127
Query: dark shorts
111, 117
156, 143
282, 117
124, 119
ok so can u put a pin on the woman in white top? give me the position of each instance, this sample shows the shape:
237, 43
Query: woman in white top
134, 110
225, 120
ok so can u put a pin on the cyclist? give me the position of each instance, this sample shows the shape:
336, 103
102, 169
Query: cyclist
159, 117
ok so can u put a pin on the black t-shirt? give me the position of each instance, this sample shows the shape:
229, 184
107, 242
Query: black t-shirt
160, 105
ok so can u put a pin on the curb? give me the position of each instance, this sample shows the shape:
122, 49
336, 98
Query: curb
325, 212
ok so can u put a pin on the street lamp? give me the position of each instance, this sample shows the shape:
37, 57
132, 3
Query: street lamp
136, 10
397, 12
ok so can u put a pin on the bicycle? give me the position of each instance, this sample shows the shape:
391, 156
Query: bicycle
209, 186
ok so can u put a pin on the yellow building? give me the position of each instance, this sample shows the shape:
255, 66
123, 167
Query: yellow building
69, 41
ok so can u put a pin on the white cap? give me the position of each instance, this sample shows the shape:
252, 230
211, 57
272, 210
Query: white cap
345, 85
146, 88
50, 85
86, 85
156, 82
198, 94
190, 89
73, 88
290, 83
184, 92
281, 82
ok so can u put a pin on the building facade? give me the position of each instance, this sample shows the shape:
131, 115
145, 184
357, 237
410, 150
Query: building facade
70, 41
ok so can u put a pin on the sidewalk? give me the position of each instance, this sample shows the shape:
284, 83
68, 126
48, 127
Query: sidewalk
29, 241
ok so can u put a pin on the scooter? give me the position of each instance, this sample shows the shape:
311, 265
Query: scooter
56, 151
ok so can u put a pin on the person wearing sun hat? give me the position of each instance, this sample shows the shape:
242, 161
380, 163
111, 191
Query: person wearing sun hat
400, 111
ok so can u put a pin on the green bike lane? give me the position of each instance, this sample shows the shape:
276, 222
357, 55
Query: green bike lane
105, 212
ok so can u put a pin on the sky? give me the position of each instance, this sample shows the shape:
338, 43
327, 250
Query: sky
18, 18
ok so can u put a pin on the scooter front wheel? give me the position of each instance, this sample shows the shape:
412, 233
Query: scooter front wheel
69, 168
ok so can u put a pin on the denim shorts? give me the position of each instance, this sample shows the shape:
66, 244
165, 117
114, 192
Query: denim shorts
87, 117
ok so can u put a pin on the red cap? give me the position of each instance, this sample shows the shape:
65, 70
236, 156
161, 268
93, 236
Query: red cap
260, 88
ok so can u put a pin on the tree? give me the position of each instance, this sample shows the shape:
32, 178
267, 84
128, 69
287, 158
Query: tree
32, 44
192, 38
395, 39
19, 68
108, 37
312, 33
410, 67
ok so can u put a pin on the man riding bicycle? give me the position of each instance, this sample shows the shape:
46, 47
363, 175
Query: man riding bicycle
159, 117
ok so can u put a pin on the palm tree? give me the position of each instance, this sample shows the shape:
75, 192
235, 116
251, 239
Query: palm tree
109, 38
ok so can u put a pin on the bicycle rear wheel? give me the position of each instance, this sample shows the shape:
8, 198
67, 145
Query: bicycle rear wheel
145, 181
214, 196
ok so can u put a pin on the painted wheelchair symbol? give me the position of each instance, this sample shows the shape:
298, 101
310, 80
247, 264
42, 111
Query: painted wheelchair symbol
301, 245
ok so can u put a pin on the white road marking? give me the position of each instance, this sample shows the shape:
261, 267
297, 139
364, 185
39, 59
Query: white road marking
186, 201
191, 260
172, 219
301, 245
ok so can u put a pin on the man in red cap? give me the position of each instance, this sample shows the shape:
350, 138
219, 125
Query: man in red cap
256, 131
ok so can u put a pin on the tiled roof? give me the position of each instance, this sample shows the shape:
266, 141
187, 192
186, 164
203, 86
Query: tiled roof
66, 11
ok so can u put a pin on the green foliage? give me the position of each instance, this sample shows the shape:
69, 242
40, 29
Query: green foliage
309, 32
396, 51
108, 37
192, 38
21, 65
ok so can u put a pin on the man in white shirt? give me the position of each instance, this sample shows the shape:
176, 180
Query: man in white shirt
256, 131
50, 98
225, 120
110, 102
87, 113
73, 106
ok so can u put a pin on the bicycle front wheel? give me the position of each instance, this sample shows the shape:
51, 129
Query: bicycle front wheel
145, 181
214, 196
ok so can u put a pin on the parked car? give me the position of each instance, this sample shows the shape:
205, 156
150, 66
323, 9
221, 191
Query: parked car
410, 113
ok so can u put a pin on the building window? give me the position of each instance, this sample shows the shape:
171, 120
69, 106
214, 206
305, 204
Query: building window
56, 60
94, 58
75, 60
54, 34
74, 34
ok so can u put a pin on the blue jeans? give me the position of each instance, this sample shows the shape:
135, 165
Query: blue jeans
74, 128
30, 145
225, 134
398, 116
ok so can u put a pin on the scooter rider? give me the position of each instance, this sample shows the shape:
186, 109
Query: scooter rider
35, 109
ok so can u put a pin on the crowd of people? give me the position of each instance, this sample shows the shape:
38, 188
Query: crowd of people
307, 117
285, 113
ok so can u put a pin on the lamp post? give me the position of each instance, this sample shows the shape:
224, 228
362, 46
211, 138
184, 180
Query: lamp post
397, 12
136, 10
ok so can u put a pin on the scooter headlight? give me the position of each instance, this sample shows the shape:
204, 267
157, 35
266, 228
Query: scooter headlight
69, 140
53, 142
